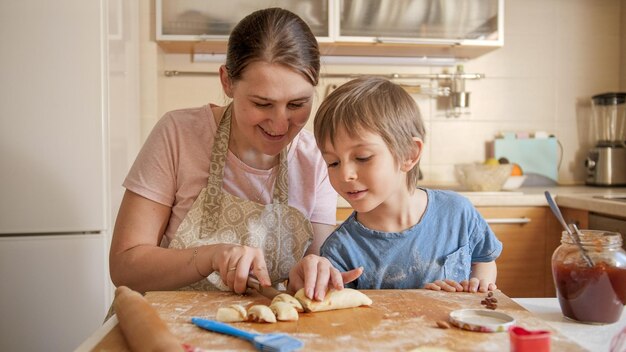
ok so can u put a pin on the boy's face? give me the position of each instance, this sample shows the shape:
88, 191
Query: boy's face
363, 170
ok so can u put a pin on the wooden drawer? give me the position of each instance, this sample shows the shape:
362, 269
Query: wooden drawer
522, 265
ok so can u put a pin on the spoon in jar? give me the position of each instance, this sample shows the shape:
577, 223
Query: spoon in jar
572, 236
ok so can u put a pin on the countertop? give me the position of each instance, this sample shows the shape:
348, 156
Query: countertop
398, 320
592, 337
577, 197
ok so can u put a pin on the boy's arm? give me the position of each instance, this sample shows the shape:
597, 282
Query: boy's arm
482, 277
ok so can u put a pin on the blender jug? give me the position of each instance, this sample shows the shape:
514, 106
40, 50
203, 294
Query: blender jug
606, 162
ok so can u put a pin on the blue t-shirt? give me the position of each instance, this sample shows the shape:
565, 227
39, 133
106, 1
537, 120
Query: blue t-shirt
450, 237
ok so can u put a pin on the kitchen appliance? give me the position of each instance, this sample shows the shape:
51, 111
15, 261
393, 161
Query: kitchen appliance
66, 139
606, 162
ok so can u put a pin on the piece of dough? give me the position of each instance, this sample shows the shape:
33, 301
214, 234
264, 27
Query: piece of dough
261, 314
231, 314
284, 311
334, 299
283, 297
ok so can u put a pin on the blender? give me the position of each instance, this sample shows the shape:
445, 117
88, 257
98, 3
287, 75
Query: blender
606, 162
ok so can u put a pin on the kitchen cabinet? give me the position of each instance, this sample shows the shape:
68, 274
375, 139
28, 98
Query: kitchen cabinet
529, 235
345, 27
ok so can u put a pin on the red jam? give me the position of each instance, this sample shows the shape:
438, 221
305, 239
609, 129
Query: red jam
591, 294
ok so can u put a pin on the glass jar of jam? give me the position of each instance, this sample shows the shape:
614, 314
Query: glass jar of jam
591, 292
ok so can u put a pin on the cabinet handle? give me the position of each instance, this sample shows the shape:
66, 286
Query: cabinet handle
490, 221
508, 221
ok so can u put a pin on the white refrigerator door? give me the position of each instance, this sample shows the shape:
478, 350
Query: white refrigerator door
52, 291
52, 116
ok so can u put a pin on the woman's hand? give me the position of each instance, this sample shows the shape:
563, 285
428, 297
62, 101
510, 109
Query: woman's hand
235, 263
316, 275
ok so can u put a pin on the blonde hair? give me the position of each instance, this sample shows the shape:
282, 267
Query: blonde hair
376, 105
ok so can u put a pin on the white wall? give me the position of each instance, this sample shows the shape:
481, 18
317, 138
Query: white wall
557, 54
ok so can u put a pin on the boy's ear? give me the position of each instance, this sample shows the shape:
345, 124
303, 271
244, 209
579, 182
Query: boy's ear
227, 84
415, 156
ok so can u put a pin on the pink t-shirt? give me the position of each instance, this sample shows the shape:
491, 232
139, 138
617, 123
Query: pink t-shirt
172, 168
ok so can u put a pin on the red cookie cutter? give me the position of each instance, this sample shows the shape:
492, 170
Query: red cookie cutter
523, 340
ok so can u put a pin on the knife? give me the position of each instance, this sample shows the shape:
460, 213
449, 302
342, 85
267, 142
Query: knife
266, 291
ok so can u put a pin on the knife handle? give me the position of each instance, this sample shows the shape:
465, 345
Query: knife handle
266, 291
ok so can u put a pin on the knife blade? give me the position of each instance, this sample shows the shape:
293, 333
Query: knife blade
266, 291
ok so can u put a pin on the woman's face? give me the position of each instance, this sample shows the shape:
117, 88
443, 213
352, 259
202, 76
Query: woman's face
271, 104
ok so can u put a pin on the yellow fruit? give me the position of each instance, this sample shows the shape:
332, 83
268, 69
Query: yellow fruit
517, 170
492, 161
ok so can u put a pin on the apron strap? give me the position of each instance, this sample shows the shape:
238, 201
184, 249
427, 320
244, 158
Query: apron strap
213, 201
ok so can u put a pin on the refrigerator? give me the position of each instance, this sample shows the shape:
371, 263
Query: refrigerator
58, 152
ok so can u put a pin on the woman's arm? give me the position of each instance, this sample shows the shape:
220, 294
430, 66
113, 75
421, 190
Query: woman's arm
136, 260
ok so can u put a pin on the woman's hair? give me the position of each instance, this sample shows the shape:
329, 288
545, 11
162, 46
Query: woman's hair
273, 35
376, 105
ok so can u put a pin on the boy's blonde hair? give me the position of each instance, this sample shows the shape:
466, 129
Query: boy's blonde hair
376, 105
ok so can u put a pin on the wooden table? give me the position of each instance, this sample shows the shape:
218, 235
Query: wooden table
398, 320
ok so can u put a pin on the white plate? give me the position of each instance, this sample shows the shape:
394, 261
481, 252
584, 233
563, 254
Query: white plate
483, 320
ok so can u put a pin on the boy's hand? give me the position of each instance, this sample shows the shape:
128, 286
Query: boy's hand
446, 285
475, 285
316, 275
472, 285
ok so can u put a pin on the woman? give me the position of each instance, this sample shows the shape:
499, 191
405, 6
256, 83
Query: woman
219, 193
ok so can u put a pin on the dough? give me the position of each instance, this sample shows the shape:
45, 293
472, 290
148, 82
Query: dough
261, 314
283, 297
345, 298
231, 314
284, 311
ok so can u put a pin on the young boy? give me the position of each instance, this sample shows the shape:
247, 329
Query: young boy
371, 136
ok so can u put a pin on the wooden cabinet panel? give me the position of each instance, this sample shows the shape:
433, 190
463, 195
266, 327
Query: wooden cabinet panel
521, 266
342, 214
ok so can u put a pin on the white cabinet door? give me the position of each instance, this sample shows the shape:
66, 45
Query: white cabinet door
52, 116
52, 291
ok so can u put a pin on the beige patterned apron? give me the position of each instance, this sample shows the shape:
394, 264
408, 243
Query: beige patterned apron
216, 216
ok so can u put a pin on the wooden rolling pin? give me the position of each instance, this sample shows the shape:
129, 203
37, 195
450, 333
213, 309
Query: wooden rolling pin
140, 323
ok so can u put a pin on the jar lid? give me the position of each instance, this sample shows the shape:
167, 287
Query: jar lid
609, 98
482, 320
